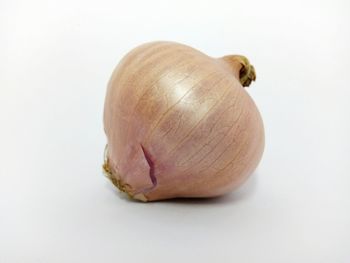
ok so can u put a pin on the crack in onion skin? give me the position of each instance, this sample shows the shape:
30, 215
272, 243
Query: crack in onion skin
180, 124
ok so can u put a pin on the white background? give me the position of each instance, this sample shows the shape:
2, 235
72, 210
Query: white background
55, 205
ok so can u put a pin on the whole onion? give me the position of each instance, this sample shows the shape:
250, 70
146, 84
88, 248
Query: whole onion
180, 124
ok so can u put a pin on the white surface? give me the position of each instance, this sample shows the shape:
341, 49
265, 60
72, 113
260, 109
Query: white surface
55, 206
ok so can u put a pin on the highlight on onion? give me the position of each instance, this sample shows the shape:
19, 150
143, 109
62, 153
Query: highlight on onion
180, 123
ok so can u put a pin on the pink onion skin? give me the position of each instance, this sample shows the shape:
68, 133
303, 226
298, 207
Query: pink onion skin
180, 124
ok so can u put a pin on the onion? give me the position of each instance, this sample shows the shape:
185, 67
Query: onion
180, 124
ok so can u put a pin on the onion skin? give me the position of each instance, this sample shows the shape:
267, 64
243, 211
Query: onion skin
180, 123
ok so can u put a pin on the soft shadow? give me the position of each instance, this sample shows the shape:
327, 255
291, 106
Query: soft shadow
242, 193
118, 193
245, 191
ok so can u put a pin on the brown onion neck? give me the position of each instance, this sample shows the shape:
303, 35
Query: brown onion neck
241, 68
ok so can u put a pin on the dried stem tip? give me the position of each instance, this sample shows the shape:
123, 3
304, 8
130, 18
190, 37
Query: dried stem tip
246, 70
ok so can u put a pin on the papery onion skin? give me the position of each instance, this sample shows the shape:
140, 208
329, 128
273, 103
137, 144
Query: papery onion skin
180, 124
